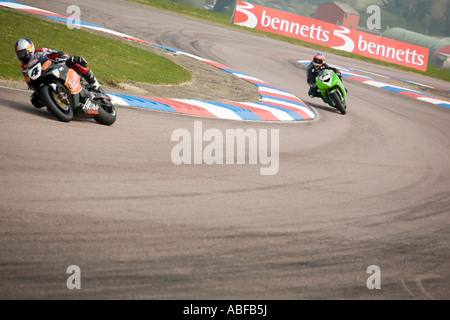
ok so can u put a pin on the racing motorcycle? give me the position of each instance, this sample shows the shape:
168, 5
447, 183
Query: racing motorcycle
332, 90
65, 94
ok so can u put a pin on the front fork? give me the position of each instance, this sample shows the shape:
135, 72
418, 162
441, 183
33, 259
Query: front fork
327, 94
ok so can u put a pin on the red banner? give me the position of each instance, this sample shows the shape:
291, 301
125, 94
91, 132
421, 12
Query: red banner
330, 35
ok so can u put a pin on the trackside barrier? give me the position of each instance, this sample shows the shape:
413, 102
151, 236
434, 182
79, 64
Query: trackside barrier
330, 35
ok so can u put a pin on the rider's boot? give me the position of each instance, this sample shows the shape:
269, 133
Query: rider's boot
90, 78
36, 100
312, 92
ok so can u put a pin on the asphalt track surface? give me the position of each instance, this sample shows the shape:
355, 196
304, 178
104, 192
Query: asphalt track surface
368, 188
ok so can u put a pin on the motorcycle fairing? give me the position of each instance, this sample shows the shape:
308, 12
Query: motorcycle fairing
328, 82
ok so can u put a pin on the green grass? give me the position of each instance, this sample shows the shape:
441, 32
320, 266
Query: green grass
112, 61
223, 19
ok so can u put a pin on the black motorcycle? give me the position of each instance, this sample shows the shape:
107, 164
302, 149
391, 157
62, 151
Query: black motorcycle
65, 94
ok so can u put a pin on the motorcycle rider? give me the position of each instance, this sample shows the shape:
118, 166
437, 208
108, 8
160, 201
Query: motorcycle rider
25, 50
317, 64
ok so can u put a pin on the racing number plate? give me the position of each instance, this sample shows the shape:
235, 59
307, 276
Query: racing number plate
35, 72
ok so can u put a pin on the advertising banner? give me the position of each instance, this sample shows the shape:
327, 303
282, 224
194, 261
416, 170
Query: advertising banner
330, 35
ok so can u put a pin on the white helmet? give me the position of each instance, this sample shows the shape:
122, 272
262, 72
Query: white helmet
24, 49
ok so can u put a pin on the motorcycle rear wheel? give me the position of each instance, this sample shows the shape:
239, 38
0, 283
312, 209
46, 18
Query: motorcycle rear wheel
63, 112
338, 103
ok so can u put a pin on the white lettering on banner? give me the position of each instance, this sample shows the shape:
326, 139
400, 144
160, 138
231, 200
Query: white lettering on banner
348, 45
302, 29
264, 19
381, 50
314, 33
336, 37
294, 28
252, 20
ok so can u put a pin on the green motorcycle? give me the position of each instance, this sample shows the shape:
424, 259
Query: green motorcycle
332, 89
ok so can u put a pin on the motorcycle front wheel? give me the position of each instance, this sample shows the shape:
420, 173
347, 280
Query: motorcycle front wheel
57, 106
338, 103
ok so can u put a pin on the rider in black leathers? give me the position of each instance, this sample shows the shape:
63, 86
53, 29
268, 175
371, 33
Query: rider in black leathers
25, 50
317, 64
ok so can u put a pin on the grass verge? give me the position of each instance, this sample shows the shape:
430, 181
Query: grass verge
223, 19
112, 61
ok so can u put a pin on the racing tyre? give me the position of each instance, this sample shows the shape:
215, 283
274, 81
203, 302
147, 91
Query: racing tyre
55, 105
338, 103
106, 114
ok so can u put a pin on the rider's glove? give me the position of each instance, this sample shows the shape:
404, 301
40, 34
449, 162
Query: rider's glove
61, 59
